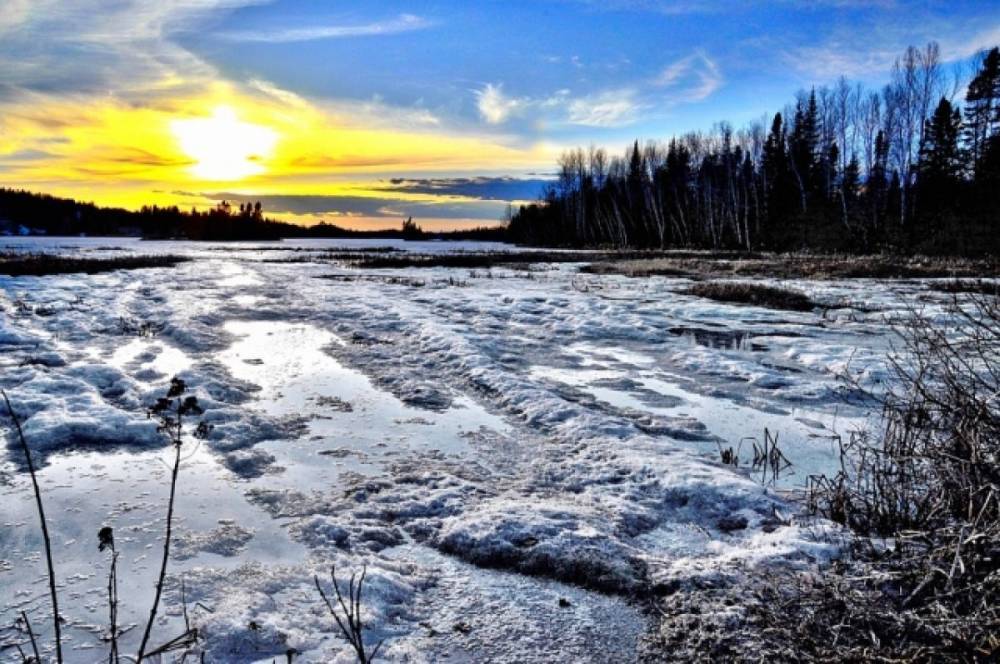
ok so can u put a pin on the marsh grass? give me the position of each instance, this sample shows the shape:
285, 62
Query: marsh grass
490, 259
16, 264
797, 266
733, 292
976, 286
919, 500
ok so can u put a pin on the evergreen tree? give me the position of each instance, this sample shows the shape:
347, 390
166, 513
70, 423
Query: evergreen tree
982, 109
939, 173
940, 155
803, 145
851, 182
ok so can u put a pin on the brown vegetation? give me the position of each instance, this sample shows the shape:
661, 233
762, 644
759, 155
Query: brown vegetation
799, 266
16, 264
921, 576
751, 294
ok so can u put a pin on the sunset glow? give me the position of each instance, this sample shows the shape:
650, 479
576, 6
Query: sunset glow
364, 113
223, 147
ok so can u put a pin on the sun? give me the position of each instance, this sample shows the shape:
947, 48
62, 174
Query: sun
224, 147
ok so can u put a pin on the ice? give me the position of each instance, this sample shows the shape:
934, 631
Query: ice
515, 460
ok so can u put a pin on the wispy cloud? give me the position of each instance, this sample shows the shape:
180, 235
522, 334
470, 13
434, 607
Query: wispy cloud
683, 7
868, 49
607, 108
688, 80
959, 48
613, 108
483, 188
494, 106
693, 78
400, 24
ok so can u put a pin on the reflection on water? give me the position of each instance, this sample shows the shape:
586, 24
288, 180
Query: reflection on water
353, 426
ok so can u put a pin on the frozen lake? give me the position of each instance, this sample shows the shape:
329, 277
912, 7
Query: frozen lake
515, 454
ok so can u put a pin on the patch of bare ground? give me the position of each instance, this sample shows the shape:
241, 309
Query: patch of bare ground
15, 264
798, 266
756, 295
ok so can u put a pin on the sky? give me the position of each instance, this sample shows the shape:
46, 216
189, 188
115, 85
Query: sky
364, 112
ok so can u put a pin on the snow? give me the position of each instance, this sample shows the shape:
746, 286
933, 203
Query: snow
516, 460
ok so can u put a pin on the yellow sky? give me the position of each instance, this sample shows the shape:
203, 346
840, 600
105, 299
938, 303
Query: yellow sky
258, 141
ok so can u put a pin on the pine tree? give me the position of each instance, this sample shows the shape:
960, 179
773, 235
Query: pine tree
851, 182
982, 109
803, 146
940, 155
939, 172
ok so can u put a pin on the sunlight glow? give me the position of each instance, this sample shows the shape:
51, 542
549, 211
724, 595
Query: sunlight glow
224, 147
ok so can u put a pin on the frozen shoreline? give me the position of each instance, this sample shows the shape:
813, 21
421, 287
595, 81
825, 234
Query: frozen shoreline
487, 446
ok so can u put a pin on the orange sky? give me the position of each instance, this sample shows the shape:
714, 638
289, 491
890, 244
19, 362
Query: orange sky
252, 140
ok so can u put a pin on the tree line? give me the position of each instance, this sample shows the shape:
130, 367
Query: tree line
906, 168
27, 212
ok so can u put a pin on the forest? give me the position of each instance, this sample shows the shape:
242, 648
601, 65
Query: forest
24, 212
911, 168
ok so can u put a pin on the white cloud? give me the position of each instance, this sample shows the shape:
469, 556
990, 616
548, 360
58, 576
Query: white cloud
608, 109
958, 49
13, 14
93, 46
494, 106
400, 24
683, 7
690, 79
868, 49
693, 78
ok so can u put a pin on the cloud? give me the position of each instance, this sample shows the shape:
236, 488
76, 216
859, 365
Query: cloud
606, 109
961, 48
400, 24
337, 205
494, 106
684, 7
693, 78
95, 46
690, 79
27, 154
484, 188
868, 47
13, 14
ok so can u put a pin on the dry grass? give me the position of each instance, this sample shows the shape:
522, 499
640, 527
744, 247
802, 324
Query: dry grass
977, 286
39, 265
751, 294
799, 266
921, 579
489, 259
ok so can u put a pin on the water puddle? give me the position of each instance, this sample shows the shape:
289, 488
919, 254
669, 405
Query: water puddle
85, 491
352, 425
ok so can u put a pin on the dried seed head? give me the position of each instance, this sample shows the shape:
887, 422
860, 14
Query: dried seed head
106, 538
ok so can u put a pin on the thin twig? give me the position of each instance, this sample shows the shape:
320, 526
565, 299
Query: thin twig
166, 553
45, 529
31, 637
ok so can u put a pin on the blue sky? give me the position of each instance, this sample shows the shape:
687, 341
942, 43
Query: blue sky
356, 94
580, 70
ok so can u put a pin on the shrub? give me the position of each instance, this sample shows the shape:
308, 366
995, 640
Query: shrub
751, 294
